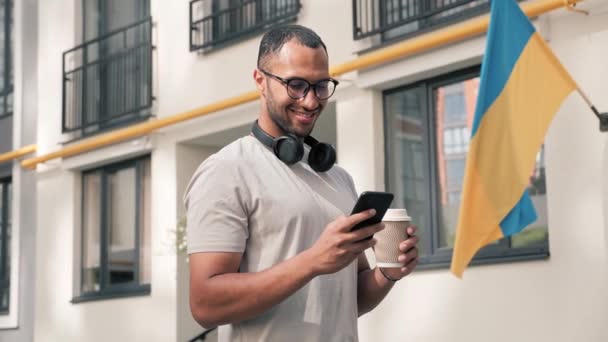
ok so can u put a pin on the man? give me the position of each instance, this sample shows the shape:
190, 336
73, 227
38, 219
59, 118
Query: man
272, 256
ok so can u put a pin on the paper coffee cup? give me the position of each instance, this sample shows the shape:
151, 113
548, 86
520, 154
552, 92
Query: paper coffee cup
387, 247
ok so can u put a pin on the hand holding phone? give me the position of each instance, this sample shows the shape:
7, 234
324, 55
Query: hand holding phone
380, 201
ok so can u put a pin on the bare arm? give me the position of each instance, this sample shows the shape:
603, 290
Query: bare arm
221, 295
372, 286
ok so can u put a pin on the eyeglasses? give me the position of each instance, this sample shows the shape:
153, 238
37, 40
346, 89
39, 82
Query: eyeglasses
297, 87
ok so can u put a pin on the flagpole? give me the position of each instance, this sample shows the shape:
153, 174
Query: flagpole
603, 117
586, 98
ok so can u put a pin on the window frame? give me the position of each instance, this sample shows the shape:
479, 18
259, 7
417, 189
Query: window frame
440, 257
107, 290
102, 25
105, 78
89, 107
8, 76
212, 12
4, 228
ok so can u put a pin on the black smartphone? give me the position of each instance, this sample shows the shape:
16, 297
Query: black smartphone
380, 201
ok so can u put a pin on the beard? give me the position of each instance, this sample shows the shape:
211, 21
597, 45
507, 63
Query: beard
280, 117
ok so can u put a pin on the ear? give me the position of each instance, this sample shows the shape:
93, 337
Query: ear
260, 80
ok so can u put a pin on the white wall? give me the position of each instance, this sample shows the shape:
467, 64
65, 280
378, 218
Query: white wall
361, 138
149, 318
559, 299
56, 34
55, 318
190, 80
145, 318
188, 159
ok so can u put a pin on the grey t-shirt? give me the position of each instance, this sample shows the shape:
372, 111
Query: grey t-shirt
243, 199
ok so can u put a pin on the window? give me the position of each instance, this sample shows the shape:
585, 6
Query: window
398, 19
6, 58
215, 22
5, 243
108, 78
116, 230
104, 16
412, 16
428, 127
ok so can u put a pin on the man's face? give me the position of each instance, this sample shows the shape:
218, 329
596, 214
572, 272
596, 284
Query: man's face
296, 116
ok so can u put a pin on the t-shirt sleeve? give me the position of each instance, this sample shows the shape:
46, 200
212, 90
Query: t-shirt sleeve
353, 188
350, 184
216, 202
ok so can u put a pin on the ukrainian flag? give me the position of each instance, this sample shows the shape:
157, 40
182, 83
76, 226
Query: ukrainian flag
522, 87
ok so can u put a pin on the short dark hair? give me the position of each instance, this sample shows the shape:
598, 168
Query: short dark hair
274, 40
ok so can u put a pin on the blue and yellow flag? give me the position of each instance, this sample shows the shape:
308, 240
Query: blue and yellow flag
522, 86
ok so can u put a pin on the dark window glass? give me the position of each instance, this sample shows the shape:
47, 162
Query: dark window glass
215, 22
5, 243
6, 58
413, 16
107, 78
116, 228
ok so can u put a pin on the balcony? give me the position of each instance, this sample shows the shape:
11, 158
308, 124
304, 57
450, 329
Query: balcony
6, 59
216, 22
107, 82
397, 19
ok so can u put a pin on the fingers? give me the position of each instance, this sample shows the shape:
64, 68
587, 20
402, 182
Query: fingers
408, 243
410, 261
357, 241
349, 222
409, 256
364, 233
411, 230
409, 267
360, 246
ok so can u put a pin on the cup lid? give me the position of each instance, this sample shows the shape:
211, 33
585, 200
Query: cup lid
396, 215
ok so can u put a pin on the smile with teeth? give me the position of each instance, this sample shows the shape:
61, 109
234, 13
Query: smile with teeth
304, 114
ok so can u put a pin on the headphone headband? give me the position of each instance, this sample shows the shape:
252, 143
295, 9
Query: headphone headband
261, 135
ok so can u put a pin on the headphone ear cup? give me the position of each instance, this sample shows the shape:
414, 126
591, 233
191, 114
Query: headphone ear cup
288, 149
322, 157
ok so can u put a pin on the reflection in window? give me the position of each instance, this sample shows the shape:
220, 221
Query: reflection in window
456, 140
455, 110
408, 156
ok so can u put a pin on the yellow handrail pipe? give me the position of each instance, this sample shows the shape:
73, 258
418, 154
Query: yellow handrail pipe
8, 156
406, 48
448, 35
139, 129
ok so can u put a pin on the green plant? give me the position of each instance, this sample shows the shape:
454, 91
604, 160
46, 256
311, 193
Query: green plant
180, 236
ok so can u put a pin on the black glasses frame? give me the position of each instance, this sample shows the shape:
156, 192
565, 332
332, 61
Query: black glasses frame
286, 82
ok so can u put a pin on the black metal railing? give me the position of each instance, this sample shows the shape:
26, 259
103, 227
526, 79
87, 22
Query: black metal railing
6, 59
400, 18
4, 295
6, 102
107, 81
212, 24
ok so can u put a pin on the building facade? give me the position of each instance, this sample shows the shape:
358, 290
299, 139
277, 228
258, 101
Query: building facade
91, 225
